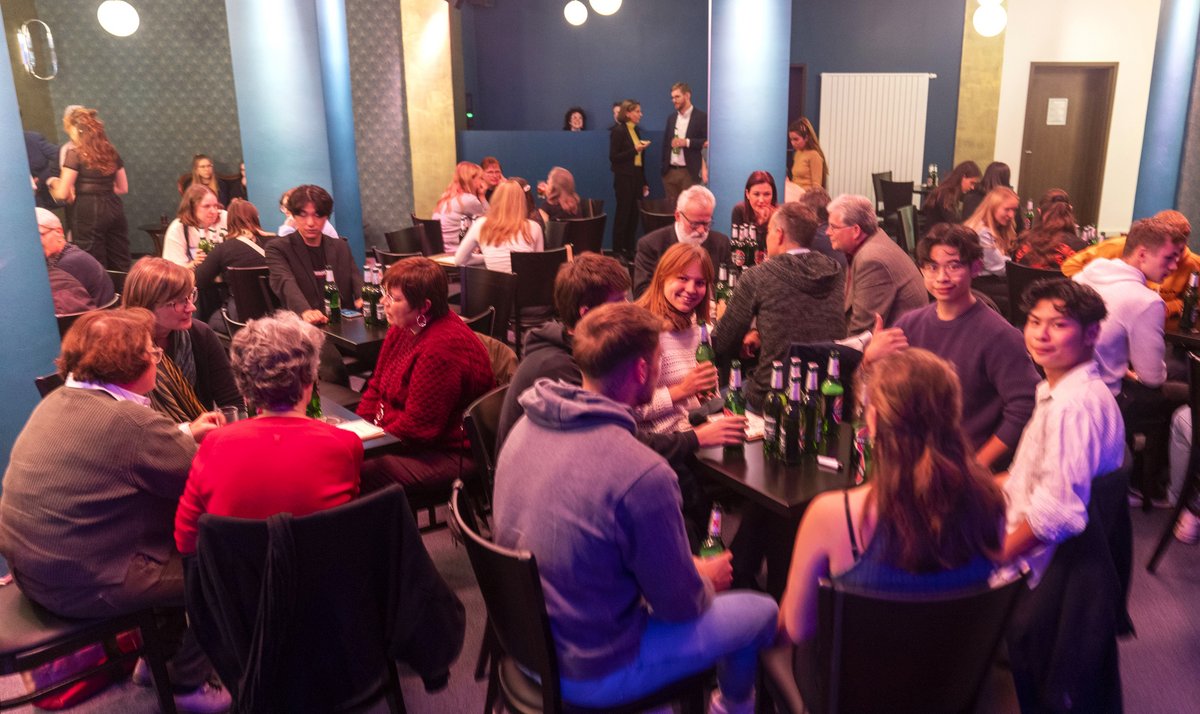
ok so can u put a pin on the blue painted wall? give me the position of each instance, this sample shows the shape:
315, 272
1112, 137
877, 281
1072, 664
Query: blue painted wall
30, 340
873, 36
339, 119
530, 65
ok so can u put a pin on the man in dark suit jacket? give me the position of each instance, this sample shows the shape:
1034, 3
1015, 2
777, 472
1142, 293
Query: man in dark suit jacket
43, 165
693, 221
297, 264
683, 142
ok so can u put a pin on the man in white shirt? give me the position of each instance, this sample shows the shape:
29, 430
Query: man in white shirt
683, 143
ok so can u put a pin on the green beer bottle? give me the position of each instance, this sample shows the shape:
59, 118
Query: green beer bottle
735, 402
814, 411
834, 394
793, 418
313, 410
712, 543
774, 405
333, 300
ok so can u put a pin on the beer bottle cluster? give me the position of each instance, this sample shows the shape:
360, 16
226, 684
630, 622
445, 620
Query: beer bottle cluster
803, 420
372, 297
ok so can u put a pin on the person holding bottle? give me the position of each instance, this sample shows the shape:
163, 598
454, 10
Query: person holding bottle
626, 156
198, 220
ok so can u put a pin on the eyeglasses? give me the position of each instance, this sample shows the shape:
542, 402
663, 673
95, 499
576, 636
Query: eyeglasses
954, 267
156, 354
835, 227
696, 225
181, 305
387, 300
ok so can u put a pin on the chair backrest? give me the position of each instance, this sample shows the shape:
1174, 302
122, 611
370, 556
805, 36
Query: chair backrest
585, 234
250, 291
483, 288
895, 653
432, 232
908, 228
50, 382
118, 279
656, 213
535, 276
482, 323
386, 259
555, 235
231, 325
481, 422
895, 194
591, 207
65, 321
327, 604
512, 593
1020, 277
406, 240
875, 179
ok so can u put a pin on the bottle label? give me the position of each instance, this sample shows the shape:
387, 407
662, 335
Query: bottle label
328, 308
835, 411
770, 429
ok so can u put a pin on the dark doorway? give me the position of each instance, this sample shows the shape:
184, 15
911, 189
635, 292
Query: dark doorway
797, 86
1067, 115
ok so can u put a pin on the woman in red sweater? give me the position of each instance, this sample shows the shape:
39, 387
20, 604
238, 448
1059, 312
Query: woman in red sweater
430, 368
280, 461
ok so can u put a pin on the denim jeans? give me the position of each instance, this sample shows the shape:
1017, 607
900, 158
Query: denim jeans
729, 634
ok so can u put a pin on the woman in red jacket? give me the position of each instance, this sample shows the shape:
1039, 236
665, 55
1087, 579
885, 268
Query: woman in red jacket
430, 368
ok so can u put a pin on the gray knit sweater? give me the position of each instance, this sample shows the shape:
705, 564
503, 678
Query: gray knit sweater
92, 481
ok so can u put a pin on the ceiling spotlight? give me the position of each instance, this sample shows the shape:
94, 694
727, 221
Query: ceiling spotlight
575, 12
118, 17
607, 7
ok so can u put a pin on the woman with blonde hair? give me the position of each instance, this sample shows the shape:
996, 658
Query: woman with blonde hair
203, 173
994, 222
679, 293
245, 246
504, 230
462, 199
928, 520
92, 172
194, 374
808, 168
561, 201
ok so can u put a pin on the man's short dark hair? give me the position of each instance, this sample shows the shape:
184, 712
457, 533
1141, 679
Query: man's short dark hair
301, 196
612, 335
798, 223
1153, 233
1079, 302
816, 199
588, 281
951, 235
682, 87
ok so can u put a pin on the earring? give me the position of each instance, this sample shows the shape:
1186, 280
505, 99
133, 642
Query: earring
422, 321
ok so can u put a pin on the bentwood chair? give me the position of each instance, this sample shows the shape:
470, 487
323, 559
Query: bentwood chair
47, 383
386, 259
481, 421
555, 235
483, 289
591, 207
584, 234
118, 280
534, 297
30, 636
524, 670
1020, 277
432, 232
251, 292
876, 179
894, 194
1191, 486
656, 213
482, 323
409, 240
65, 321
908, 229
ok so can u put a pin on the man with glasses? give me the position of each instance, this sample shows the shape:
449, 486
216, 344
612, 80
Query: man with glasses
997, 376
882, 279
693, 224
71, 269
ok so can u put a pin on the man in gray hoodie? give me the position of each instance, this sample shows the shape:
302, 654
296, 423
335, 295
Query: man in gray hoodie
630, 609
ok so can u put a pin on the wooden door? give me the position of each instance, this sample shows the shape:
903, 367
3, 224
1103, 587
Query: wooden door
1067, 116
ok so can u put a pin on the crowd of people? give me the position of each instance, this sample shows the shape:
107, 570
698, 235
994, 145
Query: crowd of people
987, 438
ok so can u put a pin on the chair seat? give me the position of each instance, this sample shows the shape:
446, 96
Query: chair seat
523, 694
26, 626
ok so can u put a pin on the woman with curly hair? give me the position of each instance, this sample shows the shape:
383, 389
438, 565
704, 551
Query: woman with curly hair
93, 172
280, 461
462, 199
1052, 240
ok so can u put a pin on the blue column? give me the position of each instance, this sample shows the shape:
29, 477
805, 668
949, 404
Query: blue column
339, 118
749, 54
30, 333
277, 75
1166, 112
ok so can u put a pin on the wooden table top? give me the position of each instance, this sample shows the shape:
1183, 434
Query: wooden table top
355, 335
371, 447
1188, 340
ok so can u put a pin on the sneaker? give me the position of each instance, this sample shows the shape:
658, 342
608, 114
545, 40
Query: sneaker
1187, 528
208, 698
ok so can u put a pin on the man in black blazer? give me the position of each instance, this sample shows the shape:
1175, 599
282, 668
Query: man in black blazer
683, 142
297, 265
693, 221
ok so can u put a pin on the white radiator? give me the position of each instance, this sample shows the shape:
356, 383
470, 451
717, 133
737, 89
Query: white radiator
872, 123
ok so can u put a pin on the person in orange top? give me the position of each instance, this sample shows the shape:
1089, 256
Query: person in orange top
1172, 286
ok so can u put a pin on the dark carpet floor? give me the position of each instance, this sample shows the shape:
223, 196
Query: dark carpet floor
1160, 667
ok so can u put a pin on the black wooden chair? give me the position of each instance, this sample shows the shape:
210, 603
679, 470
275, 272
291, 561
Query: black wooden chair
48, 383
656, 213
875, 181
251, 292
1191, 487
1020, 277
483, 289
118, 280
30, 636
591, 207
584, 234
908, 229
555, 235
516, 607
894, 195
432, 234
407, 240
65, 321
386, 259
481, 420
534, 301
483, 322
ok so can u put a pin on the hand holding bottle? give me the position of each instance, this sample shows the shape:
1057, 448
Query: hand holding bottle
717, 569
700, 381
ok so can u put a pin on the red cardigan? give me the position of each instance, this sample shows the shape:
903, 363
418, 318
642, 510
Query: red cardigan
425, 382
259, 467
